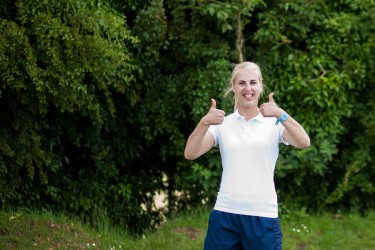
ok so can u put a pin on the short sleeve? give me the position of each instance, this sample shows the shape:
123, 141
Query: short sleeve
214, 130
281, 134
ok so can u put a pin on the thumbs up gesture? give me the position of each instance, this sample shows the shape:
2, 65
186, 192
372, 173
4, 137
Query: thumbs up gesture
270, 108
214, 116
270, 98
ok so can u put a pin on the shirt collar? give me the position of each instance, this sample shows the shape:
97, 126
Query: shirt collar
259, 117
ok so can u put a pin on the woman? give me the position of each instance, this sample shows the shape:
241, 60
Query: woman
245, 215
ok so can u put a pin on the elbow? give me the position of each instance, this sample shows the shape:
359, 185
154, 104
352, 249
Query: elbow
304, 146
306, 143
189, 156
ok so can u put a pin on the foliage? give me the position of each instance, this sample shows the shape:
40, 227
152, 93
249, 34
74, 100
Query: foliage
64, 65
320, 71
98, 98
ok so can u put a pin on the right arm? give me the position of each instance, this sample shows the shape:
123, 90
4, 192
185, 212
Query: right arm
201, 141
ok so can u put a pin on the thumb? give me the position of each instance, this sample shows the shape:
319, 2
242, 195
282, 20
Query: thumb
270, 98
213, 104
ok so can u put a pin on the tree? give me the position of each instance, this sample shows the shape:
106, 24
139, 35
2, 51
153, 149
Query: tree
317, 63
64, 66
99, 97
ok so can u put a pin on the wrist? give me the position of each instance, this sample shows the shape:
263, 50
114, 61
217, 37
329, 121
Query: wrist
282, 118
205, 122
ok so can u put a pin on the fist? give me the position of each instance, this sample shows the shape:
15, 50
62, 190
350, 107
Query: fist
214, 116
269, 109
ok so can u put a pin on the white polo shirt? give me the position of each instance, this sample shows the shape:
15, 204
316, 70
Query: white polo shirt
249, 150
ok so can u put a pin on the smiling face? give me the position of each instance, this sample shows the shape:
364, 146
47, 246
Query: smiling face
247, 87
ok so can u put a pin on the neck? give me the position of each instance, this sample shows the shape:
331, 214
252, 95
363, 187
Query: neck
248, 113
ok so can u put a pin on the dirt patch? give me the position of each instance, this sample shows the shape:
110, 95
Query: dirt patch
190, 232
301, 246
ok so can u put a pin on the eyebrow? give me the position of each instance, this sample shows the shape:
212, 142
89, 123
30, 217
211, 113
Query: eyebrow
253, 80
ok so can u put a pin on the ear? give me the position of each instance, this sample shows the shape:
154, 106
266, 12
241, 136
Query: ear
261, 92
263, 88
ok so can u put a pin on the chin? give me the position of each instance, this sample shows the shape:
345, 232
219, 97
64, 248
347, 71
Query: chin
250, 103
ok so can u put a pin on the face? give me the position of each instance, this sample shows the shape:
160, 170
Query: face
247, 88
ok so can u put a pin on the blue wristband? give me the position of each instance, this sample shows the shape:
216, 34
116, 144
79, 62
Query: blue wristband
282, 118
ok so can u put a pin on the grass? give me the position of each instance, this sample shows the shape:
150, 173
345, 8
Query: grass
35, 230
327, 231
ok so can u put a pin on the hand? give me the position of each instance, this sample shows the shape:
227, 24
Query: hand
214, 116
270, 109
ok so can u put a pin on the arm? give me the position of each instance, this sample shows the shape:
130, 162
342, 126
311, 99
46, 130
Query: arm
294, 133
201, 141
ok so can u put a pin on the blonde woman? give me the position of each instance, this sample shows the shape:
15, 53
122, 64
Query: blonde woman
245, 215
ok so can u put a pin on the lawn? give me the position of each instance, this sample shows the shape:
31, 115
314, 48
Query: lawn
35, 230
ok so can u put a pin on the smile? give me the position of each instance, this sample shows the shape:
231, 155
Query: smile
248, 95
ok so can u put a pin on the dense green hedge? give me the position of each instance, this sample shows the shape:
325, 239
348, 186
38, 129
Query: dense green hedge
98, 97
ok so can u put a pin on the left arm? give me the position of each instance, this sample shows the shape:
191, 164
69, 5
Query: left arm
294, 133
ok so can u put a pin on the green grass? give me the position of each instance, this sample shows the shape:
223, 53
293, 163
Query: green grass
349, 232
34, 230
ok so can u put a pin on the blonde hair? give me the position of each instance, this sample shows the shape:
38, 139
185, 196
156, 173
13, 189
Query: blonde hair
237, 68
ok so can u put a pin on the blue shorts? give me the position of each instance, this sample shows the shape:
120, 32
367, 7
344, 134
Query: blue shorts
227, 231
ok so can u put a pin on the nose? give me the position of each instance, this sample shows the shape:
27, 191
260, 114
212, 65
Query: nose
248, 86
